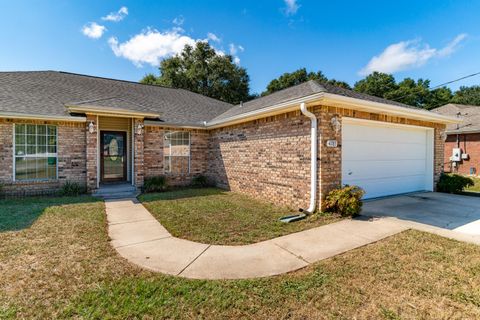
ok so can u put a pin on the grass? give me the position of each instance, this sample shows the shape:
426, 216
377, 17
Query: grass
62, 266
475, 187
215, 216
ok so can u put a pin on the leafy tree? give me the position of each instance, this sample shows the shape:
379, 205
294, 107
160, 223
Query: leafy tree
149, 79
438, 97
408, 91
201, 69
467, 95
341, 84
290, 79
376, 84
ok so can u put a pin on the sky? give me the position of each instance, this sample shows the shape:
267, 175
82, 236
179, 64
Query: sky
437, 40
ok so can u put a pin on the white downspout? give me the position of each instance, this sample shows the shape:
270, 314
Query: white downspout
313, 156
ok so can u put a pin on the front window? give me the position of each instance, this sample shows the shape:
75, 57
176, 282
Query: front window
176, 151
35, 152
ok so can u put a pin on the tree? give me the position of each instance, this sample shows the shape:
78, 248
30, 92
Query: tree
149, 79
376, 84
290, 79
341, 84
201, 69
467, 95
408, 91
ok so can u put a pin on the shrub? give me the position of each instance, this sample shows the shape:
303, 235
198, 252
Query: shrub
200, 181
155, 184
345, 201
453, 183
71, 189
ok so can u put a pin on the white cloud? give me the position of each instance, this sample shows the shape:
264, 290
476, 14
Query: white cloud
234, 50
179, 20
93, 30
116, 16
151, 46
408, 55
291, 7
213, 37
452, 46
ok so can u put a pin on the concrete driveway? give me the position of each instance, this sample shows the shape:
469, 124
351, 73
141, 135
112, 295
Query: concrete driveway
437, 210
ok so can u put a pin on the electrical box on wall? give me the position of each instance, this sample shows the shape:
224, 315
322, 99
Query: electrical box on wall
456, 154
464, 156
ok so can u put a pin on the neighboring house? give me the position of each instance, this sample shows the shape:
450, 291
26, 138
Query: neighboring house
462, 145
57, 127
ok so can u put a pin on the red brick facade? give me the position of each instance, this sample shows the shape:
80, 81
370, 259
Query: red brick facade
154, 157
71, 158
470, 144
268, 158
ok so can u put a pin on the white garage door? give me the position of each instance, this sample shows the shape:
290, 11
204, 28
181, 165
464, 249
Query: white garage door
386, 159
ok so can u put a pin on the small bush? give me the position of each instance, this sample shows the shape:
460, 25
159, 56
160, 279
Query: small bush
345, 201
70, 189
155, 184
200, 181
453, 183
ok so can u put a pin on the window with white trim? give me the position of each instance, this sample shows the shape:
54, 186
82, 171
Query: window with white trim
35, 152
176, 152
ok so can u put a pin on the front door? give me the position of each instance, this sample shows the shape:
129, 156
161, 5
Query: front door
113, 159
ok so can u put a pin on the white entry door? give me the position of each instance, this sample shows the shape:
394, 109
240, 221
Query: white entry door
386, 159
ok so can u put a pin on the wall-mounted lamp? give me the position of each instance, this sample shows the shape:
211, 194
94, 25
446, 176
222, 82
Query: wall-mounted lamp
335, 124
139, 129
91, 127
443, 136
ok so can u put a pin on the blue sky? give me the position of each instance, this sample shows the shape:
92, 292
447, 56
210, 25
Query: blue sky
439, 40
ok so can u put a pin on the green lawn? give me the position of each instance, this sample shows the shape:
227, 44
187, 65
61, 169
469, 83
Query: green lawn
475, 187
216, 216
60, 265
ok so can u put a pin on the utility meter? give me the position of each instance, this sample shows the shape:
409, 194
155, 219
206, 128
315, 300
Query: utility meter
456, 154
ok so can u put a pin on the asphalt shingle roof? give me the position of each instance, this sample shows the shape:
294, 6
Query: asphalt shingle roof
470, 117
49, 92
298, 91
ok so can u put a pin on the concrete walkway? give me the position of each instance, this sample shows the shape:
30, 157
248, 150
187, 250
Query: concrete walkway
141, 239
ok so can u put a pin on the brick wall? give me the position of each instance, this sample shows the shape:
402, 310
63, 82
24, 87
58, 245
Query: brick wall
138, 153
470, 144
270, 158
153, 154
267, 158
71, 159
91, 153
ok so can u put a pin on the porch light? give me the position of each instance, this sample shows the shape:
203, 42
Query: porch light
443, 136
139, 129
335, 124
91, 127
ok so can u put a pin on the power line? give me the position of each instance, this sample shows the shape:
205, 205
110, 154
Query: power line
438, 86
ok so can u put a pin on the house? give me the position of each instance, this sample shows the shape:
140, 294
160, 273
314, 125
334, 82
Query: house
57, 127
462, 144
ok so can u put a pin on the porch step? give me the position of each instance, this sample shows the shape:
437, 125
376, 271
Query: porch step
118, 195
116, 191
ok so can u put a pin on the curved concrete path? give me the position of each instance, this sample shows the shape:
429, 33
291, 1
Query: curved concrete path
141, 239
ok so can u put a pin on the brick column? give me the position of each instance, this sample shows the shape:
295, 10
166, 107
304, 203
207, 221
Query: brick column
330, 158
92, 154
138, 161
438, 153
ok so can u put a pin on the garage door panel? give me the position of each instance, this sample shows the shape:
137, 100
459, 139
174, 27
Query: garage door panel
380, 168
365, 150
384, 134
386, 159
390, 186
